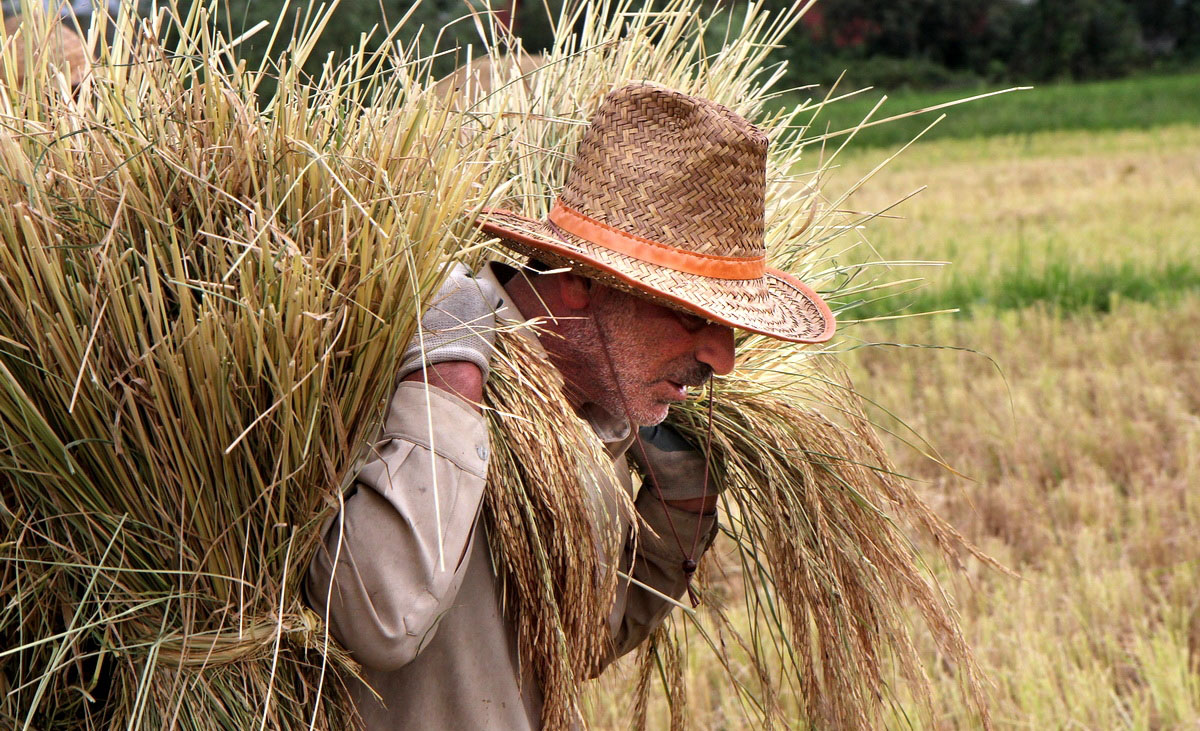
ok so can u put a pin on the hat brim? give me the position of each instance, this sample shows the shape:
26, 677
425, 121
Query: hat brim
777, 304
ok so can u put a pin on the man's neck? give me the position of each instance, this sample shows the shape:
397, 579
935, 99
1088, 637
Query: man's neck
525, 298
608, 427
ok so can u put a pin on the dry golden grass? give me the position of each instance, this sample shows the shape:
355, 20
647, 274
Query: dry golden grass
1078, 435
202, 304
1082, 452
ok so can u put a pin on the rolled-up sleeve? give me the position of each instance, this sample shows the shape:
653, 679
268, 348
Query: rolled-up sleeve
391, 562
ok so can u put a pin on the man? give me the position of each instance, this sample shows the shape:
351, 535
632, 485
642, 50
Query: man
661, 226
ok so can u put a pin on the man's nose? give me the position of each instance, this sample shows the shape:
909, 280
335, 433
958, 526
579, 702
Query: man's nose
714, 347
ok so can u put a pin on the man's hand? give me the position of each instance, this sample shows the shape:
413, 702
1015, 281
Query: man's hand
455, 346
458, 377
677, 467
703, 505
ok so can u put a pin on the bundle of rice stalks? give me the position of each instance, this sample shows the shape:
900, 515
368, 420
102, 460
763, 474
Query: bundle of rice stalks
204, 297
811, 512
548, 526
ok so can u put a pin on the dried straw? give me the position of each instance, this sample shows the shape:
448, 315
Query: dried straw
554, 547
816, 514
814, 510
811, 508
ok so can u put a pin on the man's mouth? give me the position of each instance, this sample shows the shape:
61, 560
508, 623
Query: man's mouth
688, 378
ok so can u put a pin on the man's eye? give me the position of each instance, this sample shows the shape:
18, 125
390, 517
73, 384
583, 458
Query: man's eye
691, 323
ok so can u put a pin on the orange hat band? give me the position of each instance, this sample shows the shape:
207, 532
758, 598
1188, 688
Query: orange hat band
652, 252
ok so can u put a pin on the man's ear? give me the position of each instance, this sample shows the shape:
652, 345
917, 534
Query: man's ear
575, 291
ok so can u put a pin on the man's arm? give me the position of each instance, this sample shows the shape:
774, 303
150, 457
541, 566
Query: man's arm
656, 561
392, 561
390, 564
686, 509
458, 377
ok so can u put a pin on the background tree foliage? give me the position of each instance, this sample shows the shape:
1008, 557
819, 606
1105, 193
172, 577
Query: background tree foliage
919, 43
443, 27
943, 42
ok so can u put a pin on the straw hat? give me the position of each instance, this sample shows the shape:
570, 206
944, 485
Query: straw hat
666, 199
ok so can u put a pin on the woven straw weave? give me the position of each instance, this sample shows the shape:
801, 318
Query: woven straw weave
685, 174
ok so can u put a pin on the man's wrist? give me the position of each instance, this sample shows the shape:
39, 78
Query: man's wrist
706, 505
459, 377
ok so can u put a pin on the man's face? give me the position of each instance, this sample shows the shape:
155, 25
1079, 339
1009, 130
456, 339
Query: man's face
657, 353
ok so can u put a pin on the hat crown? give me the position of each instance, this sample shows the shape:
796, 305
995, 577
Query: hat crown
677, 170
666, 199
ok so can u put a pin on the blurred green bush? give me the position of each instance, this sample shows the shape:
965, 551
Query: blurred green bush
953, 43
898, 44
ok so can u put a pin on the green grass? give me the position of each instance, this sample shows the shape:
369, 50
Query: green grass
1063, 286
1073, 221
1133, 103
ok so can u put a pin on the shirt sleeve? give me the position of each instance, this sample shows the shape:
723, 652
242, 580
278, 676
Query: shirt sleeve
655, 559
385, 572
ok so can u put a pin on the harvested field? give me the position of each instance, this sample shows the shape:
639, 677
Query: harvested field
1071, 417
1065, 218
1080, 445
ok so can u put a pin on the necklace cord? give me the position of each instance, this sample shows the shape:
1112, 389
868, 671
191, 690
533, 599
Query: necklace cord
689, 563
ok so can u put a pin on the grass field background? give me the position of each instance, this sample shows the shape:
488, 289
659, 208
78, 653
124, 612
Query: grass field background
1143, 102
1065, 394
1074, 220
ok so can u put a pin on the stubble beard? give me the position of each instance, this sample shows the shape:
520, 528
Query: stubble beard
628, 393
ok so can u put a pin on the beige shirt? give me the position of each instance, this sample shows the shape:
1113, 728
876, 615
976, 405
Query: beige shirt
437, 650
